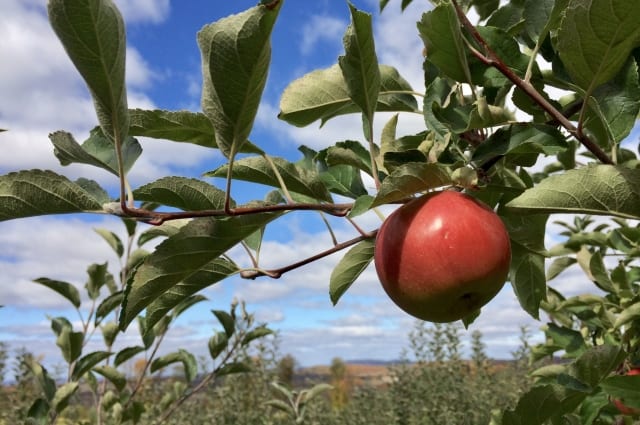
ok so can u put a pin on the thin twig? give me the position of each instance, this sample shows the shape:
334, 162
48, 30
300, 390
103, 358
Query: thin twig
277, 273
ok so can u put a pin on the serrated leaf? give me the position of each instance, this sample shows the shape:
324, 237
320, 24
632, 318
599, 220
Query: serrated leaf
186, 303
117, 378
187, 359
322, 95
108, 305
166, 229
361, 205
444, 43
359, 64
236, 52
593, 189
570, 340
521, 139
595, 39
354, 262
558, 266
98, 150
93, 35
258, 169
596, 363
541, 403
126, 354
86, 363
63, 394
410, 178
208, 275
183, 193
66, 289
37, 192
112, 239
217, 344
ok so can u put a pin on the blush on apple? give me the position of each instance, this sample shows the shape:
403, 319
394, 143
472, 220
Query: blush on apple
442, 256
626, 410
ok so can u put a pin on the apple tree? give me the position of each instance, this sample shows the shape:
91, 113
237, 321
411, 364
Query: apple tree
528, 109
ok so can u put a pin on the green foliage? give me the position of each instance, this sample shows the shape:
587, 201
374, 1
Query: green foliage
490, 124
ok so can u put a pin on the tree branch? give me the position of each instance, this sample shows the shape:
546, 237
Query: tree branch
490, 58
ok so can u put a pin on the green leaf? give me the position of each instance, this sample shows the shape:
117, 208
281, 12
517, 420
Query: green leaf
66, 289
93, 35
226, 320
236, 52
595, 39
541, 403
558, 266
521, 139
258, 169
217, 344
47, 384
36, 192
233, 368
354, 262
109, 333
180, 256
359, 65
98, 150
593, 189
568, 339
596, 363
86, 363
98, 276
113, 240
187, 359
253, 334
208, 275
166, 229
442, 35
410, 178
63, 395
126, 354
38, 413
323, 94
70, 344
117, 378
625, 388
108, 305
627, 315
527, 278
614, 106
183, 193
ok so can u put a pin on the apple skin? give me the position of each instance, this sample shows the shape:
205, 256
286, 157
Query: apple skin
442, 256
630, 411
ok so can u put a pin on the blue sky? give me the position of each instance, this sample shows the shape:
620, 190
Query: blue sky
42, 93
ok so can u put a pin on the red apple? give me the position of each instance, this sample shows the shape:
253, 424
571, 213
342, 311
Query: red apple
442, 256
625, 410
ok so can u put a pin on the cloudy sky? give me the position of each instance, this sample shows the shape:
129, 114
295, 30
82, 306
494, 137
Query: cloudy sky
41, 93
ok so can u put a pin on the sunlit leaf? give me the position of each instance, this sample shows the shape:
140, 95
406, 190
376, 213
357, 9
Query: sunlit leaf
183, 193
117, 378
180, 256
410, 178
236, 52
595, 39
86, 363
112, 239
258, 169
37, 192
187, 359
323, 94
593, 189
93, 35
359, 64
63, 394
97, 150
66, 289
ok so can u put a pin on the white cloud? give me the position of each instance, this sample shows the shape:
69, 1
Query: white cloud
321, 29
154, 11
